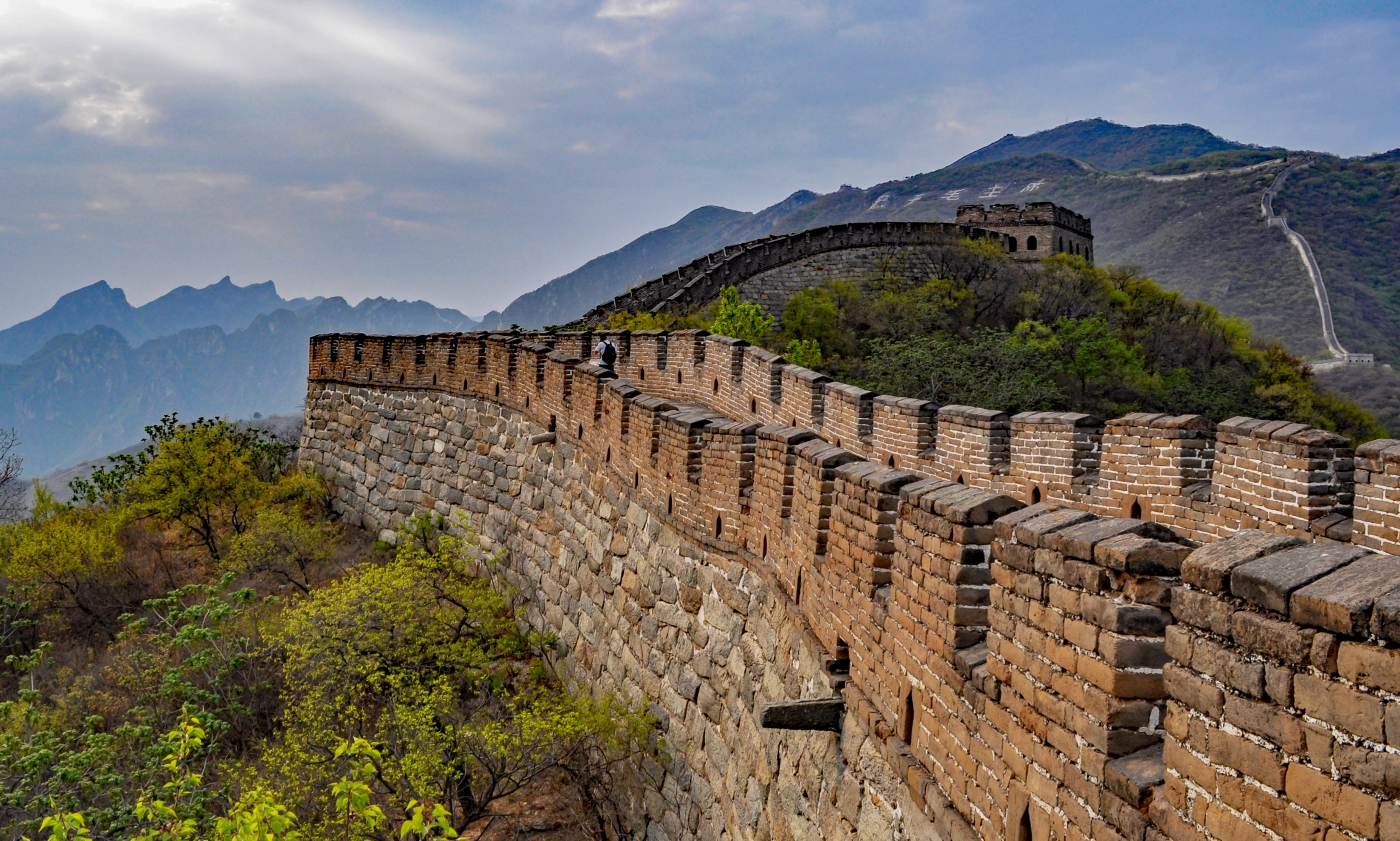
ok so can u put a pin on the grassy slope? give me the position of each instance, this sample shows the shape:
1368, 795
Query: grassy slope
1377, 390
1350, 213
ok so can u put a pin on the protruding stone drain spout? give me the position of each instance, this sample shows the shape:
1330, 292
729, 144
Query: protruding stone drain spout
817, 714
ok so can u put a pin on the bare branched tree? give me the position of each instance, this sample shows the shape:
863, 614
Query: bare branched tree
12, 505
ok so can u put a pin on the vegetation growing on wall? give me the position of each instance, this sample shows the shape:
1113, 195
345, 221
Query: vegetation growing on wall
197, 649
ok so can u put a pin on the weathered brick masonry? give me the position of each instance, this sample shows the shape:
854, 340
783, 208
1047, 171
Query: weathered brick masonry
1028, 640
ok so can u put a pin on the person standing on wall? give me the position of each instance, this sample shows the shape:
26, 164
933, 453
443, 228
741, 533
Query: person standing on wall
607, 354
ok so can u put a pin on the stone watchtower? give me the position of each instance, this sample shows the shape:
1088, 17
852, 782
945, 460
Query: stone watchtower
1035, 231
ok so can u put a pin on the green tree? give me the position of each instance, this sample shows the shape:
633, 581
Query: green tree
1087, 352
424, 659
804, 352
812, 316
287, 546
990, 369
740, 319
204, 479
59, 551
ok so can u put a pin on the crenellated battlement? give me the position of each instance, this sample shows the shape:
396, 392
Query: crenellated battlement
1048, 627
1177, 470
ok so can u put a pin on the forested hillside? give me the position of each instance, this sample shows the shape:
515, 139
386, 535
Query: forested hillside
198, 650
987, 331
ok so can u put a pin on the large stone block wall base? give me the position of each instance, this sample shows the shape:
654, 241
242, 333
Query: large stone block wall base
640, 608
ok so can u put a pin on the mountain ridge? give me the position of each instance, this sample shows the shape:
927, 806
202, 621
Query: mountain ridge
83, 395
223, 304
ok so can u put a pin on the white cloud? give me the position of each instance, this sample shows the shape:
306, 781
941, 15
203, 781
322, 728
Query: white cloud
639, 8
340, 193
107, 62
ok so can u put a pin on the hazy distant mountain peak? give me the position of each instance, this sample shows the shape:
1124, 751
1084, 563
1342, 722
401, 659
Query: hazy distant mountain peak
222, 304
1107, 145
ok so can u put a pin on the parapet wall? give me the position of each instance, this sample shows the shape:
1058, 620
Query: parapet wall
701, 279
1178, 470
999, 599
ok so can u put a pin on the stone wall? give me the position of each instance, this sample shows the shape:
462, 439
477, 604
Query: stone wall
1034, 231
641, 605
700, 280
714, 529
772, 288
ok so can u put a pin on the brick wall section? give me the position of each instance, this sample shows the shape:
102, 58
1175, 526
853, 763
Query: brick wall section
771, 289
770, 270
848, 417
1283, 687
974, 445
1055, 454
1268, 475
903, 430
803, 394
1157, 461
1377, 501
1076, 649
1005, 664
1281, 475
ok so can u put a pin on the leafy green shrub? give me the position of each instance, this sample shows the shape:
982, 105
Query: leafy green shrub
740, 319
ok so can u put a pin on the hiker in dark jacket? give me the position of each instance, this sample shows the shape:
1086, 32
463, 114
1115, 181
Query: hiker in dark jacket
607, 354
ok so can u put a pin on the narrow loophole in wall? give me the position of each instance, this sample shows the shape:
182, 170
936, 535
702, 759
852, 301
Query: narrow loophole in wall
670, 503
797, 595
1023, 829
580, 432
498, 389
716, 385
1136, 511
1035, 495
608, 457
906, 722
794, 422
464, 385
765, 546
553, 422
636, 479
642, 374
719, 527
527, 402
959, 480
323, 372
679, 380
435, 383
890, 462
753, 405
401, 376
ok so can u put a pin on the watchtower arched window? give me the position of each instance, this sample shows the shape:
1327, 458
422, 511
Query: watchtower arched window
1011, 244
1031, 244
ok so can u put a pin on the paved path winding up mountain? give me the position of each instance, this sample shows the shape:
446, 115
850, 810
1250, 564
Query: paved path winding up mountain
1305, 251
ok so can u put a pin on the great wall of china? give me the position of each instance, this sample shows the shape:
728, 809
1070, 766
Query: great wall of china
1029, 644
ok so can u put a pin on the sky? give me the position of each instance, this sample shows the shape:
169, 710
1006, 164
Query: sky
466, 152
